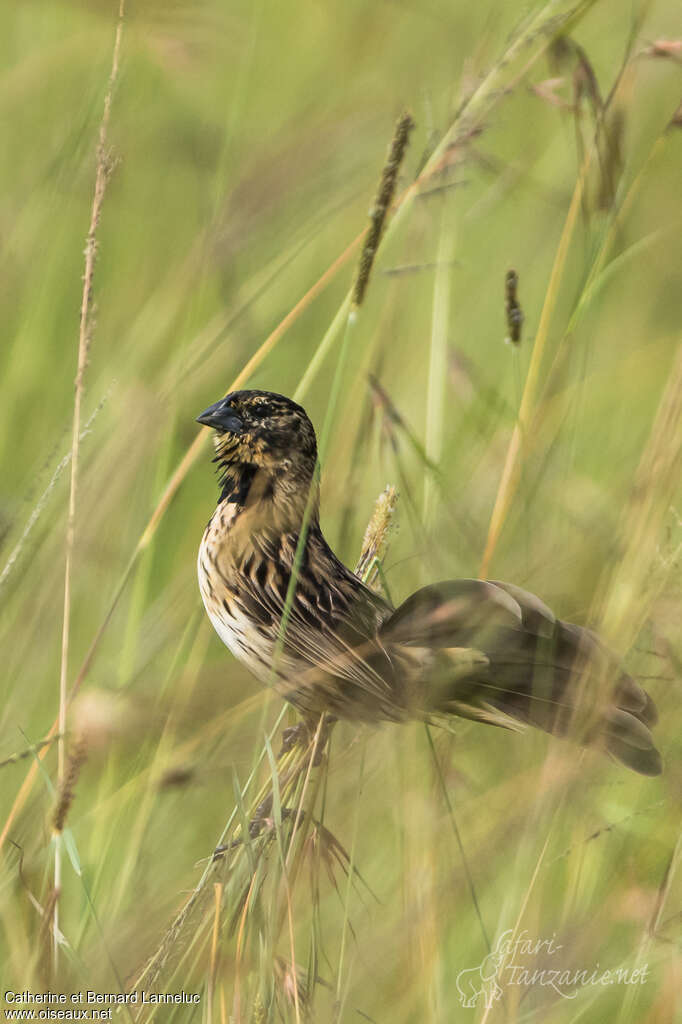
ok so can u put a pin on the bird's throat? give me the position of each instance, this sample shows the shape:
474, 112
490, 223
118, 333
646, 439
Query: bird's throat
235, 482
263, 501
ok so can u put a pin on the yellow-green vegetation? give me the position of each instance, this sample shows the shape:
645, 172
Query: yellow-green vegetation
217, 162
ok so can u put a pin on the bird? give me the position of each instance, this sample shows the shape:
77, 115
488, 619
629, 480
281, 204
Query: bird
288, 608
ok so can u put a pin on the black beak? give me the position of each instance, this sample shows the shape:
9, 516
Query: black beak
221, 416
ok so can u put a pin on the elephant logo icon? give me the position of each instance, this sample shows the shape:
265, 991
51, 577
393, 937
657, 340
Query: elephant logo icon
474, 982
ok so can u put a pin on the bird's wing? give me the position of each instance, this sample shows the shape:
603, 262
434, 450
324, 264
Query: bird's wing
498, 654
447, 614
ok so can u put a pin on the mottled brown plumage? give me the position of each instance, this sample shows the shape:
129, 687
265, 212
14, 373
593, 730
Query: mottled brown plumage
482, 650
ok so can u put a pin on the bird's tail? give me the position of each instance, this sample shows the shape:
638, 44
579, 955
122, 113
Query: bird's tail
500, 656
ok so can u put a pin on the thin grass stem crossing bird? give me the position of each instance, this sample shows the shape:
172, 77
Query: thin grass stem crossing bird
480, 650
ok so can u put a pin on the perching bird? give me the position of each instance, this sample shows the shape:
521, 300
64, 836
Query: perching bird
486, 651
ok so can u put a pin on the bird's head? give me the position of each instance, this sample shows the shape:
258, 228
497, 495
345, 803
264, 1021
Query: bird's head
266, 432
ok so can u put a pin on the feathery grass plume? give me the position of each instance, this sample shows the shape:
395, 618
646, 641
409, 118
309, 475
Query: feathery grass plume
377, 535
512, 308
382, 204
259, 1013
66, 792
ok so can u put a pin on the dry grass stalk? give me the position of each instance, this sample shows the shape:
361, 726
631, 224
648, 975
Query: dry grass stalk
104, 165
103, 171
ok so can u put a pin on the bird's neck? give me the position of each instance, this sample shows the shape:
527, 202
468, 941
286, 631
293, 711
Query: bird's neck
268, 502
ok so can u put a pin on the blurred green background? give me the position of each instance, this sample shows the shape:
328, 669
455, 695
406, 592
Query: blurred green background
247, 141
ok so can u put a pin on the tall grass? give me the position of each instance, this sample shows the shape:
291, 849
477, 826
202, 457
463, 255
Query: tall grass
356, 873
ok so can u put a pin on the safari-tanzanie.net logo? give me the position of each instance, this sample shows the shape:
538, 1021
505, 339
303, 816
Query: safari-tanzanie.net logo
510, 964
